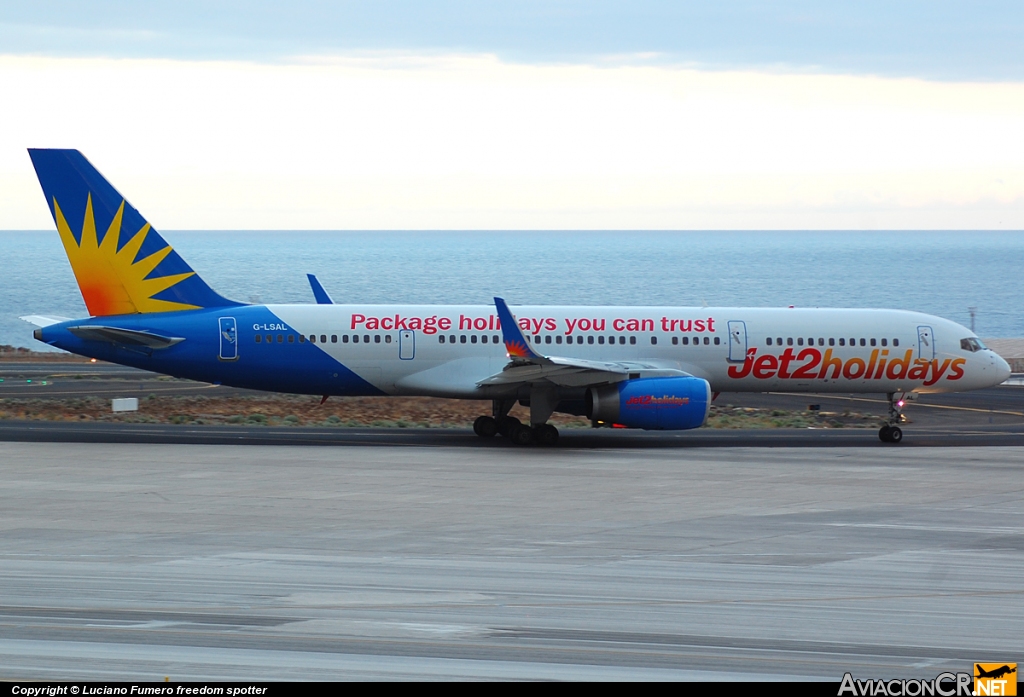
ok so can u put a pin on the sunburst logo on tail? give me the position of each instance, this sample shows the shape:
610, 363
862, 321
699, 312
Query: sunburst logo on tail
112, 280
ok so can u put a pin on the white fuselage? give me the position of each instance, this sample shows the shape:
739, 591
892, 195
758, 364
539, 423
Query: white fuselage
447, 350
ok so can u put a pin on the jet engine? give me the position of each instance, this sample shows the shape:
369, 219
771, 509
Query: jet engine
672, 404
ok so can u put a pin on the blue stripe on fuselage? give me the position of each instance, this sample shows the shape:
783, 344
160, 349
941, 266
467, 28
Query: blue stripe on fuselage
300, 368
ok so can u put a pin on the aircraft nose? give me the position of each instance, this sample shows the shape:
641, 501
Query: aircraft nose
1002, 369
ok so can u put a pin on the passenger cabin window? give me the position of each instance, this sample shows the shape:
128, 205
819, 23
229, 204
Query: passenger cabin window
600, 340
842, 342
789, 341
654, 340
862, 343
632, 340
686, 341
440, 338
462, 338
799, 341
718, 341
832, 342
376, 338
259, 338
590, 339
675, 341
302, 338
707, 341
344, 338
885, 342
768, 341
872, 342
895, 342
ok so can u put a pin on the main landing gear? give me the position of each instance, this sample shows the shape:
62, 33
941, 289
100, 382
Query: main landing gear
891, 432
543, 434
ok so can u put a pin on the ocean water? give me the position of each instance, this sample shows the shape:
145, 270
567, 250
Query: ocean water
941, 273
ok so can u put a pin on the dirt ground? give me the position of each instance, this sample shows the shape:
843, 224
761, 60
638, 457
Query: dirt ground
384, 412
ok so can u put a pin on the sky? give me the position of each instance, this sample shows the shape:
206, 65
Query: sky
510, 115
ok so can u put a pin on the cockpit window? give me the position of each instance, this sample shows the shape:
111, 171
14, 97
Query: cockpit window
971, 344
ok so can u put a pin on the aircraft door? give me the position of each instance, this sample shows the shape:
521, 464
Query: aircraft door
737, 341
228, 339
407, 344
925, 343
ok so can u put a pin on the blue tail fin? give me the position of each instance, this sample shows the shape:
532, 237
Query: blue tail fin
122, 264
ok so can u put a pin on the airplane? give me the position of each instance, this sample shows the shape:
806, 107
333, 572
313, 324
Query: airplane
635, 367
995, 673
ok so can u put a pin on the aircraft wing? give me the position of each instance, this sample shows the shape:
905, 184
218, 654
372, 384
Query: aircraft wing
528, 366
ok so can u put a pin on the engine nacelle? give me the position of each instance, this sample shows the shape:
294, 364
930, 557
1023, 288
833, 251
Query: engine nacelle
671, 404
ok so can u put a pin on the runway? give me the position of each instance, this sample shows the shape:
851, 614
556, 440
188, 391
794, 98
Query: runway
413, 559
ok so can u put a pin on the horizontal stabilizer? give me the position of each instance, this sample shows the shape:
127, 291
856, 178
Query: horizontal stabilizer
124, 337
44, 320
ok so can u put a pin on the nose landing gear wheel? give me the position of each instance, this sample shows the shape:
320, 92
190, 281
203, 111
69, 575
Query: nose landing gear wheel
890, 434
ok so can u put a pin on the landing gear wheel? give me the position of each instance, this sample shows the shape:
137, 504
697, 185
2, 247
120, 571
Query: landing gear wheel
545, 435
506, 425
485, 427
890, 432
521, 435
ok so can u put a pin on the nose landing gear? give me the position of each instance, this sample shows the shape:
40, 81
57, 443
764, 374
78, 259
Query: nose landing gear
891, 432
